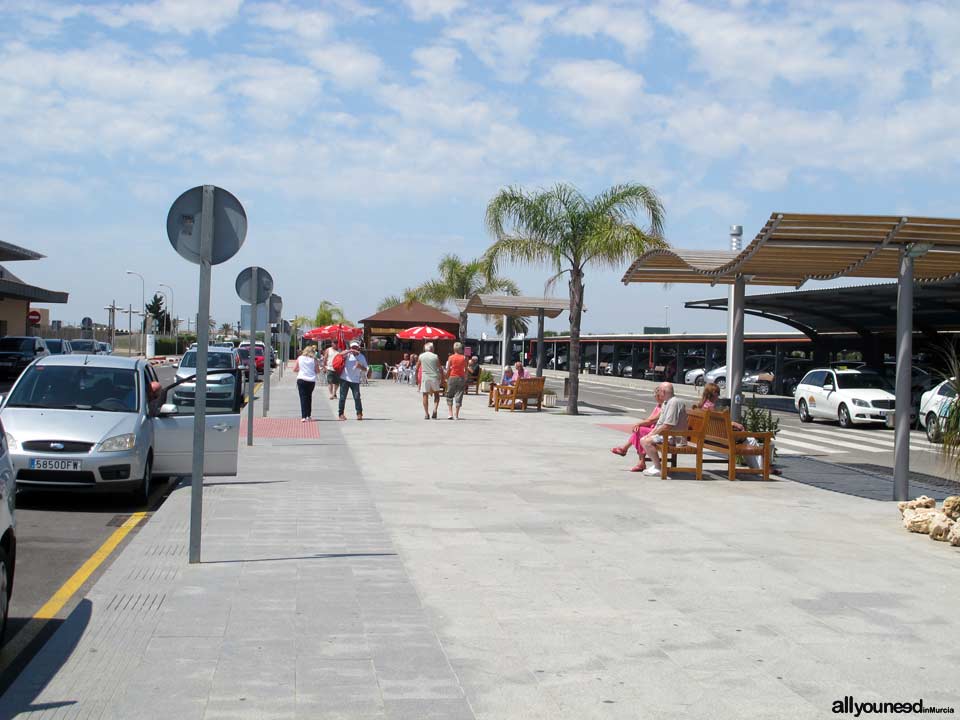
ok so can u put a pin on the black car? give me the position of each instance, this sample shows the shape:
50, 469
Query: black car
59, 347
17, 352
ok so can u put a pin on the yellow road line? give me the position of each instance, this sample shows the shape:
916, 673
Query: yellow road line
256, 389
76, 581
26, 635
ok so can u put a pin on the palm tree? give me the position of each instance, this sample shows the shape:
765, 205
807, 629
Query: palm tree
566, 231
518, 325
329, 314
226, 329
457, 280
393, 300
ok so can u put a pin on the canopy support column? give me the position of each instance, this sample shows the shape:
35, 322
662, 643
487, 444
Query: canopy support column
505, 343
541, 355
735, 296
901, 432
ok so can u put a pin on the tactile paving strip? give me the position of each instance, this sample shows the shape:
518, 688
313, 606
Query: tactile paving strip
281, 428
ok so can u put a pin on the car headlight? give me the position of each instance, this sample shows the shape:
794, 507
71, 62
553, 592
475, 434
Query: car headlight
11, 441
225, 380
118, 443
860, 403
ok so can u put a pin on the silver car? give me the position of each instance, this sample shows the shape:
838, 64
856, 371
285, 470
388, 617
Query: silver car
85, 422
222, 386
8, 535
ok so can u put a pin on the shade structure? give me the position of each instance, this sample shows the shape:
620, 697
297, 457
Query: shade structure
425, 332
513, 305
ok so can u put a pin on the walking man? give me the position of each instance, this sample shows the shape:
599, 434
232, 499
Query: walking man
354, 368
333, 380
431, 378
456, 380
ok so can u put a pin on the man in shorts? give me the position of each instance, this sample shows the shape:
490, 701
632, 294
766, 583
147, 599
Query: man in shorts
673, 416
431, 378
456, 381
333, 380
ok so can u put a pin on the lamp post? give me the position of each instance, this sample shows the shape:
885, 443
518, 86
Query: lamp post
143, 306
173, 318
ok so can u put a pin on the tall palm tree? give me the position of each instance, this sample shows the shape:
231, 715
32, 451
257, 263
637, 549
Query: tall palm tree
329, 314
561, 228
226, 329
457, 280
393, 300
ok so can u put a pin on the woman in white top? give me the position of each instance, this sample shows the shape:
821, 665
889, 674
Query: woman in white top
307, 368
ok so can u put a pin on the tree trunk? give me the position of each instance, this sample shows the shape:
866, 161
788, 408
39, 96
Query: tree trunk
463, 328
573, 359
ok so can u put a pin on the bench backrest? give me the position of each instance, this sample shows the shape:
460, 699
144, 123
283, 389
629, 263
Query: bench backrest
530, 387
717, 430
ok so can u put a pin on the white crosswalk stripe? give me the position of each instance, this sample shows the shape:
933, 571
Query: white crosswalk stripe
787, 445
819, 442
882, 439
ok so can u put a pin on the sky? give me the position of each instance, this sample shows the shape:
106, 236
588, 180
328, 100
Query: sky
365, 139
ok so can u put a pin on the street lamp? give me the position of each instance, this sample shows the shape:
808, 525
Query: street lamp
173, 319
143, 308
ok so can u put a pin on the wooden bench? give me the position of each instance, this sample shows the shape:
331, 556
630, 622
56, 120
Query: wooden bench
687, 442
472, 381
523, 391
712, 431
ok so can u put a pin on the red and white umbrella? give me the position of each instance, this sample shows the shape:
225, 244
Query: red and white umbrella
341, 333
425, 332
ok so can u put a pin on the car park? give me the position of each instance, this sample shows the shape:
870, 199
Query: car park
85, 347
74, 422
849, 397
59, 347
16, 353
8, 539
222, 378
934, 404
753, 365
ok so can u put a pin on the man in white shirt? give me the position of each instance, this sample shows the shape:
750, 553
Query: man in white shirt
354, 368
333, 380
673, 416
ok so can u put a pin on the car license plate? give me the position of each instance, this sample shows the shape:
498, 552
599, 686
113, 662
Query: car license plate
889, 420
51, 464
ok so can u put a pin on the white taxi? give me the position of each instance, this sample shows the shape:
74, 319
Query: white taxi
934, 404
849, 396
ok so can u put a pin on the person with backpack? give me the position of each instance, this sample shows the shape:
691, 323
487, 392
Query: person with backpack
351, 364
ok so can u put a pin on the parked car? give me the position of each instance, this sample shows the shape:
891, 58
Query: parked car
8, 526
694, 377
933, 404
85, 347
105, 348
243, 353
17, 352
751, 366
763, 382
59, 347
921, 380
848, 396
221, 386
85, 423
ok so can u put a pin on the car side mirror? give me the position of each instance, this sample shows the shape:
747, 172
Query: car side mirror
167, 409
828, 387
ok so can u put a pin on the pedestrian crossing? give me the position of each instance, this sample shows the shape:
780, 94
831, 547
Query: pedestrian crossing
833, 440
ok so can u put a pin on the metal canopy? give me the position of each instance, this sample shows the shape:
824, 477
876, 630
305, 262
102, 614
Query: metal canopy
513, 305
794, 248
9, 251
861, 309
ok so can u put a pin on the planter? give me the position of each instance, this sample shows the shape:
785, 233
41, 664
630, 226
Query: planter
484, 387
550, 401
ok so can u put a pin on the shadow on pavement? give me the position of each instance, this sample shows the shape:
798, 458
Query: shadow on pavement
318, 556
44, 666
67, 500
871, 482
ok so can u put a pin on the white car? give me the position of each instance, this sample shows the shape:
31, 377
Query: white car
849, 396
222, 387
694, 377
933, 404
8, 539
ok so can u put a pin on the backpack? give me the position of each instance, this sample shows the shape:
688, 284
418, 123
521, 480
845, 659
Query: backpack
339, 362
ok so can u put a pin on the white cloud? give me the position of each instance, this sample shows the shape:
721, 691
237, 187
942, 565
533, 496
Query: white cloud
277, 93
304, 24
427, 9
602, 89
627, 25
348, 64
180, 16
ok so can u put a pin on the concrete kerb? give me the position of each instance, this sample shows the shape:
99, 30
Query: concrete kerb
506, 566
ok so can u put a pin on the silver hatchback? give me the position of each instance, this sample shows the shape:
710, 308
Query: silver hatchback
85, 421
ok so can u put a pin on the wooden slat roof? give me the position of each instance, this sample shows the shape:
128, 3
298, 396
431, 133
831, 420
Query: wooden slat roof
513, 305
794, 248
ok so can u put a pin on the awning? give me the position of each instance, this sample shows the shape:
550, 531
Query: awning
22, 291
9, 251
513, 305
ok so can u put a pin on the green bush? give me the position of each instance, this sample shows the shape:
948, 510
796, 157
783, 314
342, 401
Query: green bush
486, 376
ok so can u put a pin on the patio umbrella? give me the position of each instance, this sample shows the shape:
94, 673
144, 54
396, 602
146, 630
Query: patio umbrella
425, 332
340, 333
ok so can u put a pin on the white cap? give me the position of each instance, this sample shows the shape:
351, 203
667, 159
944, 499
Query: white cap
355, 343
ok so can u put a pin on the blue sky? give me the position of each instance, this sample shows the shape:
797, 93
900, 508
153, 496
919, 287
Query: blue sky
365, 139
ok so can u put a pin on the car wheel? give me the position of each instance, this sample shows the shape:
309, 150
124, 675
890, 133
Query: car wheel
721, 383
933, 428
763, 388
6, 582
698, 381
142, 493
844, 416
805, 416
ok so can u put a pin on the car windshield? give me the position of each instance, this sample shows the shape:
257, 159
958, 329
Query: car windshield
215, 360
76, 387
55, 346
861, 381
243, 353
11, 344
85, 345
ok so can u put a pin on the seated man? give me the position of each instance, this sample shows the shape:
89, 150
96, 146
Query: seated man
673, 416
507, 380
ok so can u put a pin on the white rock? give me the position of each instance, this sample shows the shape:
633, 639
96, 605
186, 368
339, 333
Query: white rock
921, 502
918, 521
951, 507
940, 526
953, 537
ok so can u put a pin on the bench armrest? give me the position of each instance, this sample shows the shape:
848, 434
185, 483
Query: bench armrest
744, 434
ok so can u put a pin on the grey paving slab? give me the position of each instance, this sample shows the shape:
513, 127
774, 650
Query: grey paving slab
505, 566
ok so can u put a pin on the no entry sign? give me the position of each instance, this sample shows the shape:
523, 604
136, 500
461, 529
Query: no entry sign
33, 317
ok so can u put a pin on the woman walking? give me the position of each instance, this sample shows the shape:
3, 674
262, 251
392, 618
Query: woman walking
641, 429
307, 368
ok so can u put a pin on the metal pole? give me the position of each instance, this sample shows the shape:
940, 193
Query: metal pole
504, 352
130, 330
736, 237
596, 369
902, 405
541, 354
735, 368
200, 394
252, 364
267, 364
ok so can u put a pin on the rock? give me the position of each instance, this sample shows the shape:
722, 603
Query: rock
920, 503
951, 507
940, 526
953, 537
918, 520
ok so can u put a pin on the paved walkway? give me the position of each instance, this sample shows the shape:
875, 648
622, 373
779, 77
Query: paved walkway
505, 566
